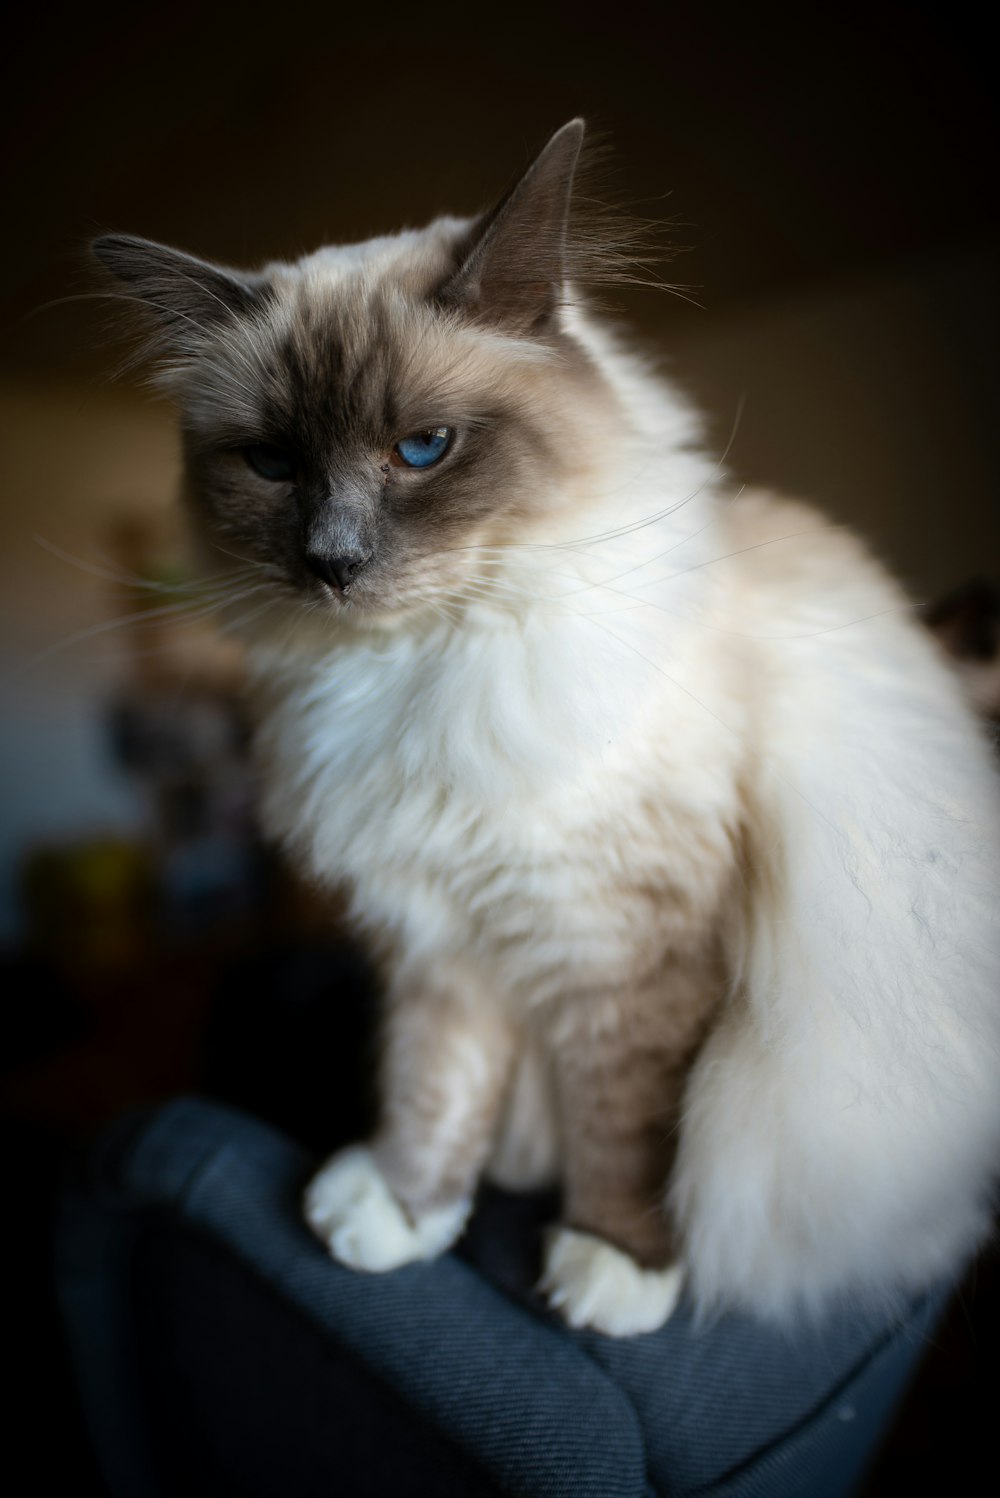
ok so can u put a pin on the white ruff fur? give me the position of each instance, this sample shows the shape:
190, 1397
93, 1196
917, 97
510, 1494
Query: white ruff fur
622, 700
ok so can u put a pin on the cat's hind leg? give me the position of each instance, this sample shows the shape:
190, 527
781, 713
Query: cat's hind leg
620, 1064
592, 1283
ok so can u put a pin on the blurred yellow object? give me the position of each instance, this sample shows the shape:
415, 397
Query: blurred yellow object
90, 904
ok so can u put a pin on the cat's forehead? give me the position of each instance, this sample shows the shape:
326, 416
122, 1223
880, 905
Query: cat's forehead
346, 302
350, 339
413, 260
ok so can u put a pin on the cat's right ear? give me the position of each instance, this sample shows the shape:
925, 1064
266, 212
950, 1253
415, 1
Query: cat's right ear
186, 296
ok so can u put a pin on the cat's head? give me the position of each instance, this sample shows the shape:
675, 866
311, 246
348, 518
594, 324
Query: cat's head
364, 420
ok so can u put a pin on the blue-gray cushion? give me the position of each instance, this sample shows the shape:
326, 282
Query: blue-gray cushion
219, 1349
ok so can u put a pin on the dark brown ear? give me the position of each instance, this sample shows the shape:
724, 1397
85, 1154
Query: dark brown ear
513, 267
185, 294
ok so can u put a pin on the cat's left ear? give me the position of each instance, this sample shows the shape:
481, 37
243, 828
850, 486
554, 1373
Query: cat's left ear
186, 296
512, 270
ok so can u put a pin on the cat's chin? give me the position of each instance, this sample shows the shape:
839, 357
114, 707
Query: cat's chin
369, 609
409, 604
305, 629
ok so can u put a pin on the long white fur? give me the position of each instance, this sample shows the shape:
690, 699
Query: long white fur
474, 782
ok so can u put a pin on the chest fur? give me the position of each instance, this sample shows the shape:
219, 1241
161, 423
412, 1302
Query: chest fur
539, 807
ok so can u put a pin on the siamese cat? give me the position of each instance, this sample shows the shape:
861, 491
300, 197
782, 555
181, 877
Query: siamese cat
674, 833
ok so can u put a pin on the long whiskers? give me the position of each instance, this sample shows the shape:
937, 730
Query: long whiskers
247, 561
111, 572
616, 532
179, 612
500, 591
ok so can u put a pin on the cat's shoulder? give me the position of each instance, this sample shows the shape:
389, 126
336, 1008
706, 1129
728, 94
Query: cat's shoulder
786, 531
785, 562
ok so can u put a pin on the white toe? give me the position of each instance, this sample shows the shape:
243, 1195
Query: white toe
593, 1284
349, 1206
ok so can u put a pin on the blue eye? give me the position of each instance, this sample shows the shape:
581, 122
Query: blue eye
424, 448
270, 462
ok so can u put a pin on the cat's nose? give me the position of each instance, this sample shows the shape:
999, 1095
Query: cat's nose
337, 572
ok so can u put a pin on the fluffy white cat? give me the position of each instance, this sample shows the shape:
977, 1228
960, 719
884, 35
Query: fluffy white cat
674, 832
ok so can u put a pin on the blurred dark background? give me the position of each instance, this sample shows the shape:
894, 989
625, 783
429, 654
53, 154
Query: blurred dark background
829, 179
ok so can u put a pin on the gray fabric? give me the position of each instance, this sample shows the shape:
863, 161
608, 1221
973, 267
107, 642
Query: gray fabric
732, 1409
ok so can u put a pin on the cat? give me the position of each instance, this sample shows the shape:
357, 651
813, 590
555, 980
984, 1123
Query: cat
674, 834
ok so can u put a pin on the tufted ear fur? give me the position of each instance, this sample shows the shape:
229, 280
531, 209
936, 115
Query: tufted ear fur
185, 295
513, 267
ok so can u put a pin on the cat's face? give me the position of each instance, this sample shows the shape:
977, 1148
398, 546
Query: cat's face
366, 422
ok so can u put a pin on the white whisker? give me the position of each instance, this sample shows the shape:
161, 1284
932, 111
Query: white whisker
110, 572
167, 614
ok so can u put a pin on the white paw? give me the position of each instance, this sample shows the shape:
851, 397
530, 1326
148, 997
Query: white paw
592, 1284
349, 1206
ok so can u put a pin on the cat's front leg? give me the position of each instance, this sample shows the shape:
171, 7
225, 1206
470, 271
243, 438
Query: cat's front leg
407, 1194
621, 1060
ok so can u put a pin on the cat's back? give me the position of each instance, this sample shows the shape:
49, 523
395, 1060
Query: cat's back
787, 566
826, 629
865, 753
